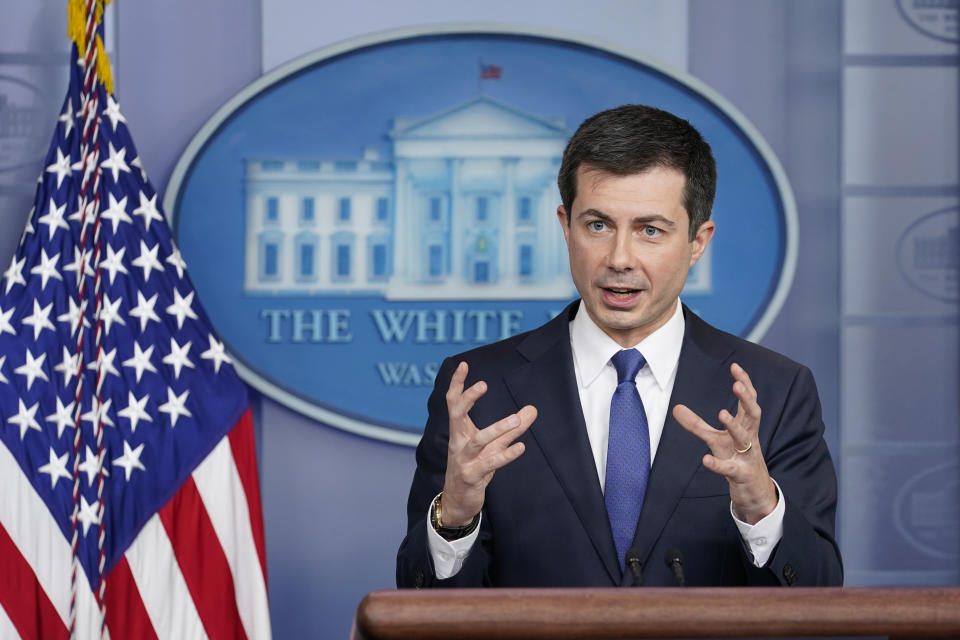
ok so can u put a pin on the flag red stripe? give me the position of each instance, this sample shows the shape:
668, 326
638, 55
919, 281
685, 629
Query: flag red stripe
245, 457
202, 563
24, 600
126, 616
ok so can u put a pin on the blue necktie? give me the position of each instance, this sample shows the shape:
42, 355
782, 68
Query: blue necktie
628, 452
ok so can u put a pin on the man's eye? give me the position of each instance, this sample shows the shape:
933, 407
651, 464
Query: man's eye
596, 225
651, 232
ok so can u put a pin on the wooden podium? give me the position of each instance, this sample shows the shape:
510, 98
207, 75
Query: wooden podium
465, 614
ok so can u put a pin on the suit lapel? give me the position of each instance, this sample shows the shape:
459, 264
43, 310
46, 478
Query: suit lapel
703, 384
548, 382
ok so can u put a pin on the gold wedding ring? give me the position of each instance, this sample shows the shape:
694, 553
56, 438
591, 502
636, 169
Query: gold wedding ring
744, 450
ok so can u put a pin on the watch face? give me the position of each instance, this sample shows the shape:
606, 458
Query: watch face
449, 533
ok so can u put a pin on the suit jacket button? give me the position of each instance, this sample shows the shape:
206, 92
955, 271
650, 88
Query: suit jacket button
789, 574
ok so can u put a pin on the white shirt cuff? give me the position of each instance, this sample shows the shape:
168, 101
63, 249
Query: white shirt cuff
448, 555
761, 538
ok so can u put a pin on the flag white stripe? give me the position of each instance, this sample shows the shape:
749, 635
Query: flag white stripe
221, 490
7, 630
88, 612
35, 533
161, 584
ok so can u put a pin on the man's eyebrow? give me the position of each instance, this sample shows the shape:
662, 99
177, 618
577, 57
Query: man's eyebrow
647, 219
593, 213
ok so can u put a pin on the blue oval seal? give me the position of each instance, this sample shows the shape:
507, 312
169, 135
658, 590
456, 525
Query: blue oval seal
354, 217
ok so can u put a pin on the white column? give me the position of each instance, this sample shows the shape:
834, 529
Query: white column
459, 220
402, 221
508, 224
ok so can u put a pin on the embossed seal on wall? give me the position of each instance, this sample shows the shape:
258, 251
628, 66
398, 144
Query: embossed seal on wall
928, 254
934, 18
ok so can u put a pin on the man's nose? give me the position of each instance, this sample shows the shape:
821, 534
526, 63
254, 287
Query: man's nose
621, 256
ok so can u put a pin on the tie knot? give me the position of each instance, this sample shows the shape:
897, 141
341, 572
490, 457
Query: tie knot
627, 363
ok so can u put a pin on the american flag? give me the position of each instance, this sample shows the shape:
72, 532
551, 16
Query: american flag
129, 499
490, 71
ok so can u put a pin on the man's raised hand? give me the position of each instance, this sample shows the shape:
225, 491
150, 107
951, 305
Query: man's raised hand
473, 455
735, 451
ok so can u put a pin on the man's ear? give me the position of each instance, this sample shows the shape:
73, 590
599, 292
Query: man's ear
564, 222
700, 240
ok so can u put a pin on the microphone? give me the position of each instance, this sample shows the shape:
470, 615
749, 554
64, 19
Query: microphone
634, 562
674, 560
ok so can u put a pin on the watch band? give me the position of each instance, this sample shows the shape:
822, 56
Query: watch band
450, 533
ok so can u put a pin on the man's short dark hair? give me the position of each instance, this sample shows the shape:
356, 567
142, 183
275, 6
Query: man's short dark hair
634, 138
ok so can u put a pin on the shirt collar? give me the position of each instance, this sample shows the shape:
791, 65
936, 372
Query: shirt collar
592, 348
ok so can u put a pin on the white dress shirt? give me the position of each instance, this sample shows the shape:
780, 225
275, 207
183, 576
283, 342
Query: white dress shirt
596, 382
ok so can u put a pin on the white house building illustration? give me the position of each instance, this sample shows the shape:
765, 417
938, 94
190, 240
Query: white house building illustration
463, 210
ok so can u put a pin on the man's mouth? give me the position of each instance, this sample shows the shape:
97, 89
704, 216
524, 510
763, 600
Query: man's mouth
621, 293
620, 296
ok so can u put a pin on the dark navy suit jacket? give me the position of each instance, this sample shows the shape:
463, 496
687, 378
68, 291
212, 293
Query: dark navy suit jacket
544, 520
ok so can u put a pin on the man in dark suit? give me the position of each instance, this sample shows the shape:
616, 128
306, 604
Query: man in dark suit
593, 459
